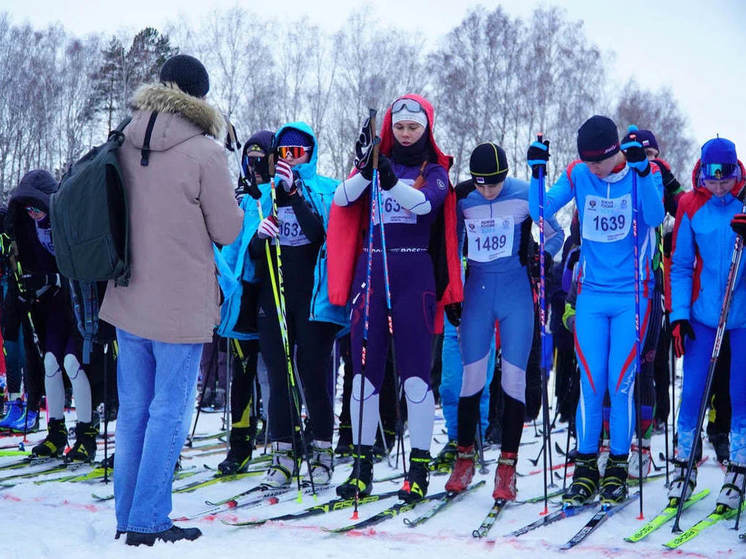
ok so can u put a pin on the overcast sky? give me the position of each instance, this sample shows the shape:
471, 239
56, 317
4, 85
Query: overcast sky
698, 48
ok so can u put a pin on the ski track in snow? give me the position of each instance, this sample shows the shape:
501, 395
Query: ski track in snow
63, 520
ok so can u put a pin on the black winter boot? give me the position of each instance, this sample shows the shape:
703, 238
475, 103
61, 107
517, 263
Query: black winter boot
239, 454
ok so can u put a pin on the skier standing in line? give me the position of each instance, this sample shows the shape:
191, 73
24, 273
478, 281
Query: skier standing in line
702, 248
601, 183
45, 292
495, 219
419, 213
303, 201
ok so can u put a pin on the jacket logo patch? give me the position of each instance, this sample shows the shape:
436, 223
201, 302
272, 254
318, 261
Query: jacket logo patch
441, 184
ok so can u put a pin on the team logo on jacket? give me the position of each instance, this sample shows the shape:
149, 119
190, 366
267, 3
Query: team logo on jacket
624, 204
506, 223
472, 227
441, 184
592, 203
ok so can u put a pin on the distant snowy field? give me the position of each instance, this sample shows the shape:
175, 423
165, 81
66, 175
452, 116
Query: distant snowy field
56, 520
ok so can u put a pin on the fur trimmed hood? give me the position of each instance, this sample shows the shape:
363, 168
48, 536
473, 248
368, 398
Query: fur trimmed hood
170, 99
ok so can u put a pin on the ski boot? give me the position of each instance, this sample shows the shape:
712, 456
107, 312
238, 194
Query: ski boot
415, 485
27, 423
731, 492
444, 461
584, 484
283, 467
614, 483
677, 480
721, 444
54, 445
634, 460
84, 449
344, 448
463, 468
360, 481
322, 462
505, 477
13, 410
241, 447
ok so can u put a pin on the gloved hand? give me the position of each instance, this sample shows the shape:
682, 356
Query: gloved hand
268, 228
680, 330
669, 180
738, 224
284, 175
364, 150
453, 313
635, 153
537, 157
386, 174
32, 283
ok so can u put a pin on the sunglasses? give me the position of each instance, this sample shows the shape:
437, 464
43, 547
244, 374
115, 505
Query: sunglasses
293, 152
34, 210
410, 105
719, 171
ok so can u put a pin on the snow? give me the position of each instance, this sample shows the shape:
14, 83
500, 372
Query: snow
63, 520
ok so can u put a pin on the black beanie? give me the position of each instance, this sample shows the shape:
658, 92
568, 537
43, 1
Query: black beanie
488, 164
188, 73
597, 139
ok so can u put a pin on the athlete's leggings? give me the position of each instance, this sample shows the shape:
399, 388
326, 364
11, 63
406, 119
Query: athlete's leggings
244, 357
488, 297
605, 348
451, 379
696, 363
312, 343
413, 306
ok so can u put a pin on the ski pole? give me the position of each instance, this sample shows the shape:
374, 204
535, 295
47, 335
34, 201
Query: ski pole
665, 423
735, 263
636, 253
366, 316
106, 413
205, 381
543, 322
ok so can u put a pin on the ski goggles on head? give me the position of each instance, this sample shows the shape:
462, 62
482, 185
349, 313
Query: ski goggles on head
292, 151
408, 109
719, 171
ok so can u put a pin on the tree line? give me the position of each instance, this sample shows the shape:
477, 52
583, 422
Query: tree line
492, 77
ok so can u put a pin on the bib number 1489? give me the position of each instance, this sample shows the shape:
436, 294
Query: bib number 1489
493, 242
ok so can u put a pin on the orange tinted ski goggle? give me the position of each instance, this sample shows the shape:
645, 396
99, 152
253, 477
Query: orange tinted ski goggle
293, 152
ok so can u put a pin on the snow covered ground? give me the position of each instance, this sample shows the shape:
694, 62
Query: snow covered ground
63, 520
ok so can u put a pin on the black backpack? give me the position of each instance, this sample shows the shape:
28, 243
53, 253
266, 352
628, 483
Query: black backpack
90, 229
89, 216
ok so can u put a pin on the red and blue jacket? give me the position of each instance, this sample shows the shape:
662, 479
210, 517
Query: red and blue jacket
702, 248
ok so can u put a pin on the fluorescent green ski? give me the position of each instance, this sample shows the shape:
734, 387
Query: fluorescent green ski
720, 513
664, 516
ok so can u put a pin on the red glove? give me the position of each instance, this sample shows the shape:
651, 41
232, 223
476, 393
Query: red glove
284, 175
680, 331
268, 228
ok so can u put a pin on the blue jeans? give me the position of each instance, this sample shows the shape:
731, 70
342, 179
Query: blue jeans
156, 382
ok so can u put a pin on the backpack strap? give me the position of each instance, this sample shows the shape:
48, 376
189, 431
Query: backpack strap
85, 305
419, 182
145, 151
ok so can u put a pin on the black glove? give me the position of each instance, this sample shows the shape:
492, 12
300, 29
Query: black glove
680, 330
669, 181
364, 150
537, 157
32, 283
635, 153
453, 313
738, 224
386, 174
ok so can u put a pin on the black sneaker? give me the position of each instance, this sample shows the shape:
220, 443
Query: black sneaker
361, 478
418, 477
614, 484
584, 484
84, 449
173, 534
54, 445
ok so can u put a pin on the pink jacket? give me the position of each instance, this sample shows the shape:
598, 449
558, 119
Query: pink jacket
179, 204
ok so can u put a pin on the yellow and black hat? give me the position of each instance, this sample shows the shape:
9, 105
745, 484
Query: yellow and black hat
488, 164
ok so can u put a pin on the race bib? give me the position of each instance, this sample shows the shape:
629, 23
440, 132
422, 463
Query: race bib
490, 238
606, 220
393, 212
290, 232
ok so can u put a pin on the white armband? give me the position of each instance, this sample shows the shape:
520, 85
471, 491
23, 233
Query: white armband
350, 189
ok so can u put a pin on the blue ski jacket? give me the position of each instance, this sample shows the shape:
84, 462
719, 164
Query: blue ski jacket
605, 212
702, 248
319, 191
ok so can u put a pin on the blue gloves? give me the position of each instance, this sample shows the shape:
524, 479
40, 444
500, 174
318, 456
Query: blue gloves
537, 157
635, 153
